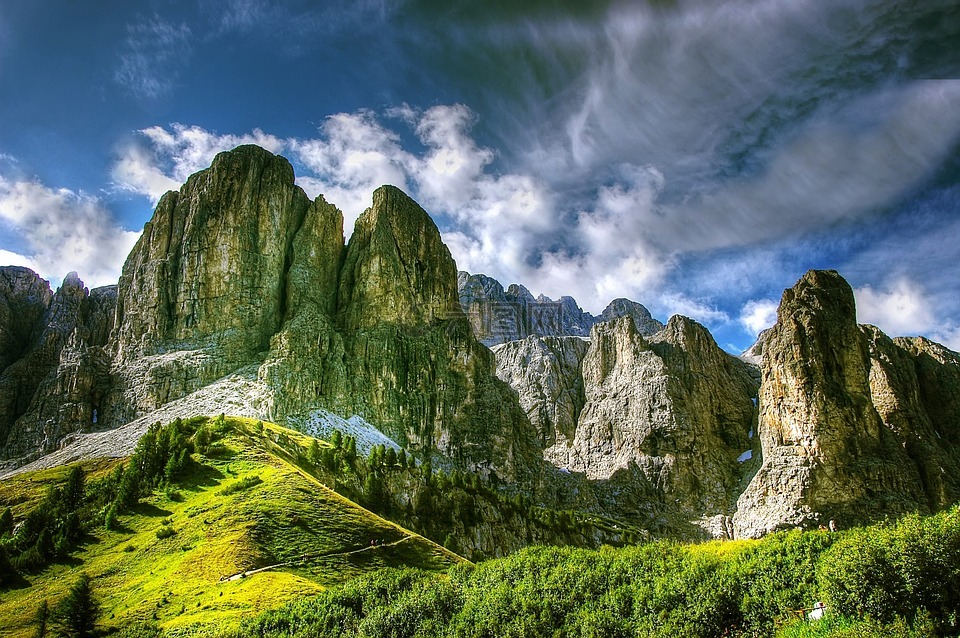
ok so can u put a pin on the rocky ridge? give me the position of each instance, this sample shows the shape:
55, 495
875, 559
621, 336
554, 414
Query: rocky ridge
239, 268
243, 297
499, 316
664, 416
56, 379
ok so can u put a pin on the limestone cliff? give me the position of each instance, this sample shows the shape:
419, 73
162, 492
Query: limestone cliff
847, 427
207, 279
240, 281
240, 271
666, 415
55, 382
413, 365
545, 372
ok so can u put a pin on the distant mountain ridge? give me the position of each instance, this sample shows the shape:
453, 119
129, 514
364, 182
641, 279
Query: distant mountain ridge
499, 315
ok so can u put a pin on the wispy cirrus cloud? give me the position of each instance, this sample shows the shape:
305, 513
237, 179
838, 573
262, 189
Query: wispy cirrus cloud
152, 56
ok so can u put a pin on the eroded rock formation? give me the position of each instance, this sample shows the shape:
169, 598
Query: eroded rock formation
852, 423
55, 365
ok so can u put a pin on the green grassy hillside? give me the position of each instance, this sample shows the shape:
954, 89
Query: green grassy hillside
194, 552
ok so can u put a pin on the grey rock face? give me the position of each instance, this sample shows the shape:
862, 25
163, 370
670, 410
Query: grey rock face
644, 322
546, 373
56, 384
412, 365
672, 411
849, 419
498, 316
675, 407
208, 277
239, 281
24, 298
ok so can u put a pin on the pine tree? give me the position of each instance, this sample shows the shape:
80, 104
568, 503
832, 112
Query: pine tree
313, 453
402, 458
128, 494
6, 522
41, 618
390, 457
373, 493
336, 438
74, 491
8, 574
77, 613
427, 470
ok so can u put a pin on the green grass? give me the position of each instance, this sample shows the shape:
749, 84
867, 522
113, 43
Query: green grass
245, 507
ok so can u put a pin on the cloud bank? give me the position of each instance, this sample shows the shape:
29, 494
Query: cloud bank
65, 231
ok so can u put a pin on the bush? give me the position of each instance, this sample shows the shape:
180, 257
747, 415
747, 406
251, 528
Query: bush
243, 484
887, 572
165, 532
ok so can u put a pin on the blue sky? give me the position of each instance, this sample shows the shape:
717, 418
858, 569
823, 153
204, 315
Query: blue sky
696, 156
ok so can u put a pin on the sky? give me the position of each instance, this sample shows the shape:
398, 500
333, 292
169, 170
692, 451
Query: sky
697, 156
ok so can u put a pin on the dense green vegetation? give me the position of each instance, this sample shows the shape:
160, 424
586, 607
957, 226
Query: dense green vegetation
887, 580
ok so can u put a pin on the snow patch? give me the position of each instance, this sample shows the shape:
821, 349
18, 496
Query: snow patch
321, 424
746, 456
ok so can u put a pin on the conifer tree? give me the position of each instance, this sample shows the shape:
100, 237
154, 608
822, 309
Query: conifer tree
41, 618
74, 491
313, 453
6, 522
77, 613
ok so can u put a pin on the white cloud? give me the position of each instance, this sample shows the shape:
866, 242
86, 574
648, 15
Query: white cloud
901, 309
758, 314
353, 156
905, 308
502, 223
66, 232
8, 258
162, 160
138, 171
451, 173
676, 303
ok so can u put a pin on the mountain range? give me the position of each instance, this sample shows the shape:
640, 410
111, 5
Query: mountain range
242, 297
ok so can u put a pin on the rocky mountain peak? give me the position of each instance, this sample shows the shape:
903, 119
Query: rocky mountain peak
820, 294
841, 407
211, 264
397, 269
642, 318
242, 297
